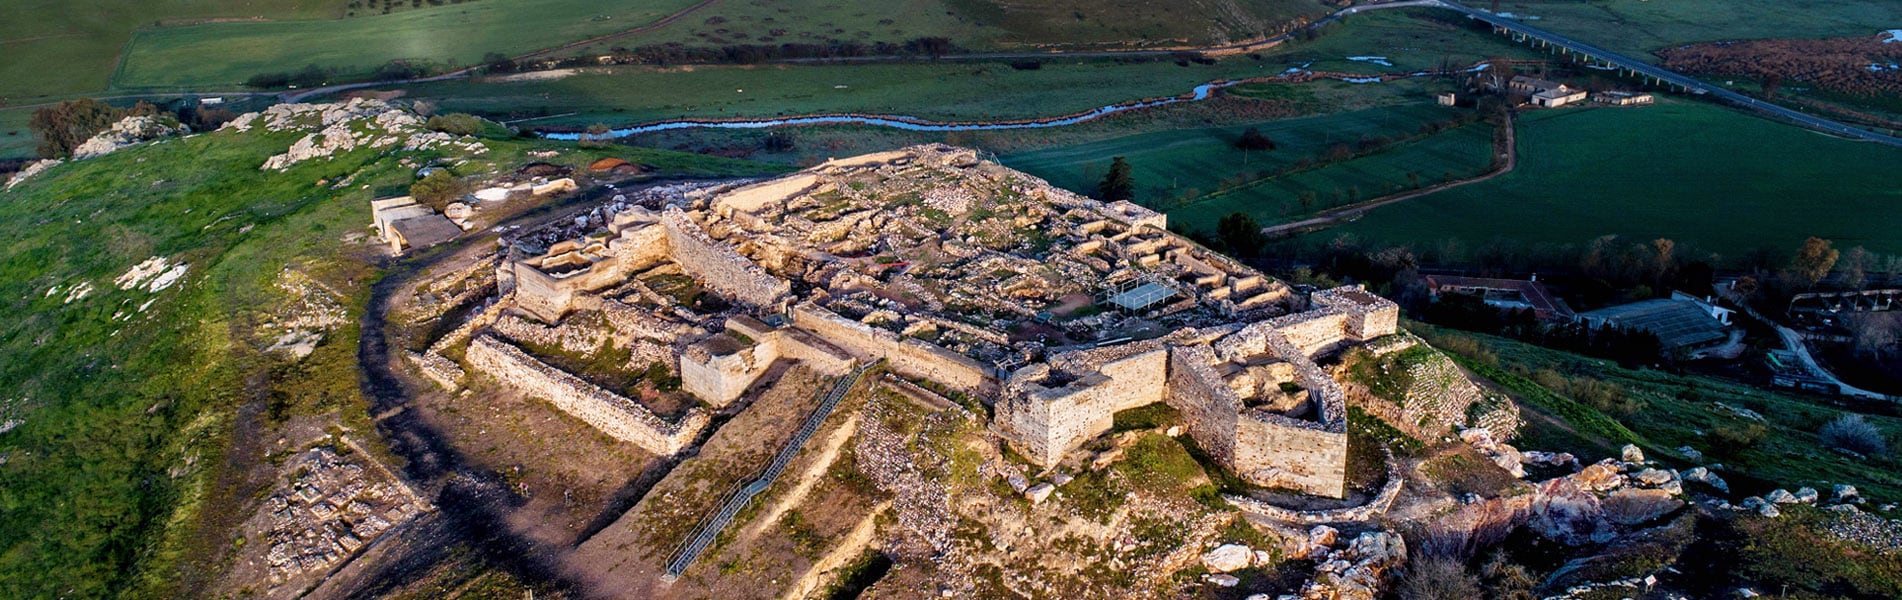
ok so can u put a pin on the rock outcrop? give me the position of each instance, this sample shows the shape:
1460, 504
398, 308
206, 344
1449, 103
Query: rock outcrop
126, 132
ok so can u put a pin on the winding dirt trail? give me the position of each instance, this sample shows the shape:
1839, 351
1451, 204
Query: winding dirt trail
1506, 147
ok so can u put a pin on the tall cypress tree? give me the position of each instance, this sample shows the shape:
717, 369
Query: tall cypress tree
1117, 184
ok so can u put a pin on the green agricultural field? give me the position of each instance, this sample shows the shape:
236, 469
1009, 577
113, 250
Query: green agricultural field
1192, 162
1636, 27
940, 91
1198, 176
15, 140
949, 91
225, 54
1710, 178
977, 24
1450, 155
125, 400
1408, 39
54, 48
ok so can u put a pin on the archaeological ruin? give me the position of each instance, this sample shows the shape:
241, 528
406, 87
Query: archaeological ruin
983, 283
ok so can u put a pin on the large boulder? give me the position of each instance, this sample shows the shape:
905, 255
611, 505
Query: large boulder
1631, 453
1806, 495
1569, 514
1598, 477
1780, 496
1845, 493
1706, 477
1228, 557
1632, 506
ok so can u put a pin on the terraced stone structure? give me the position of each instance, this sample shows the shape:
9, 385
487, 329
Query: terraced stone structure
971, 278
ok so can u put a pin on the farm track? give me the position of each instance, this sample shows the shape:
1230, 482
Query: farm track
1508, 147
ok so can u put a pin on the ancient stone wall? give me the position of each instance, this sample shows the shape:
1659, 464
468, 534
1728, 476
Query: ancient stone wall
1277, 451
540, 294
607, 411
754, 197
1209, 408
717, 266
908, 357
1059, 419
719, 379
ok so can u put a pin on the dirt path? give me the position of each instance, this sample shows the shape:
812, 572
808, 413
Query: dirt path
814, 471
1506, 147
841, 555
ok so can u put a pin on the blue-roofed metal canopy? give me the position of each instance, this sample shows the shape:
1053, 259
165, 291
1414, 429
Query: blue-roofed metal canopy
1143, 296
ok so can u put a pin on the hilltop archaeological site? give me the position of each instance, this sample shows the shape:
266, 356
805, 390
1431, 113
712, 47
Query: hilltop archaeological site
928, 359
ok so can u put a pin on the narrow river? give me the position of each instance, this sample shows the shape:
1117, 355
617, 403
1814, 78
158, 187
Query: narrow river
1201, 92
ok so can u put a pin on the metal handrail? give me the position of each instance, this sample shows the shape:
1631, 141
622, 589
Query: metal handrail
742, 495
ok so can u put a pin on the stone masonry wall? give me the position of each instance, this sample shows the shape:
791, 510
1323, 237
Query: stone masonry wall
908, 357
612, 413
1209, 408
1061, 418
1277, 451
717, 266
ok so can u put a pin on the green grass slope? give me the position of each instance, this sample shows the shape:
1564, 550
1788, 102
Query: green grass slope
1637, 27
1716, 179
55, 47
128, 399
457, 34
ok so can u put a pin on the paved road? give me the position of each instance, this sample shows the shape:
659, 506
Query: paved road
1674, 78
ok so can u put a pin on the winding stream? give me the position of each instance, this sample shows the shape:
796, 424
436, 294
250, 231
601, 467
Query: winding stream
1201, 92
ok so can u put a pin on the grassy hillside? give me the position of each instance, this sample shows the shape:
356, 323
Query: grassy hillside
1637, 27
1669, 410
1713, 178
127, 400
83, 38
456, 34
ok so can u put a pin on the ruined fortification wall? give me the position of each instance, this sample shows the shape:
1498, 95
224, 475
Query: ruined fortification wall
719, 379
1207, 404
751, 198
1059, 419
540, 294
908, 357
611, 413
1277, 451
717, 266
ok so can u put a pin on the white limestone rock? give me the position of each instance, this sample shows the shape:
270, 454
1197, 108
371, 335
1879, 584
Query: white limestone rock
1845, 493
1631, 453
1806, 495
1780, 496
1226, 581
1040, 492
1228, 557
126, 132
32, 168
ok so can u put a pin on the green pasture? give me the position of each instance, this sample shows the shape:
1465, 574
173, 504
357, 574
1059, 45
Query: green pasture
1637, 27
1198, 176
1411, 39
954, 91
225, 54
55, 47
1446, 156
15, 140
1710, 178
977, 24
1196, 161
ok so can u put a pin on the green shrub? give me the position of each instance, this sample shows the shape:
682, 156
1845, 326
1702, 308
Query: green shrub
456, 123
